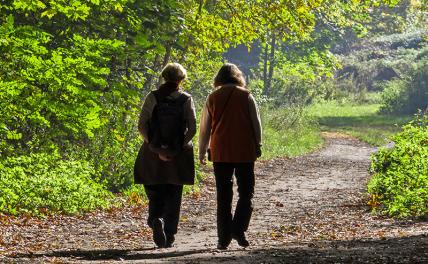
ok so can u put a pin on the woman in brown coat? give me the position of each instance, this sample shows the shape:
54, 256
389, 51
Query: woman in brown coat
163, 176
230, 125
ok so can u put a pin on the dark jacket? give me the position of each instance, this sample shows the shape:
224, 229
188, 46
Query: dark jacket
149, 169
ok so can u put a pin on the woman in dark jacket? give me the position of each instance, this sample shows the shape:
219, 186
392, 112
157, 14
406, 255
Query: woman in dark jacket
230, 125
163, 176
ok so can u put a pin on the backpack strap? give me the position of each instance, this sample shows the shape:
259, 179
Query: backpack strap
157, 96
181, 99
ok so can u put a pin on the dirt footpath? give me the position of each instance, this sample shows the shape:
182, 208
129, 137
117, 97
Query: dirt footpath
309, 209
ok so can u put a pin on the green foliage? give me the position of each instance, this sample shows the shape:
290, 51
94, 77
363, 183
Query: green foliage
297, 81
45, 184
135, 194
50, 95
121, 147
201, 76
67, 86
392, 96
389, 19
399, 186
408, 95
73, 75
375, 61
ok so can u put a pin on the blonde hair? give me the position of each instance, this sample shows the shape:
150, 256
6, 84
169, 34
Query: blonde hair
229, 73
174, 72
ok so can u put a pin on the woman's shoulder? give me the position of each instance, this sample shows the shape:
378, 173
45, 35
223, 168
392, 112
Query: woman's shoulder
243, 90
150, 96
188, 95
179, 93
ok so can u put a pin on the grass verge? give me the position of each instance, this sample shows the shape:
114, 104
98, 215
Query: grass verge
360, 121
288, 132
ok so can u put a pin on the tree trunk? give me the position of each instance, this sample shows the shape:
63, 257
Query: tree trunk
271, 63
149, 77
167, 55
265, 66
165, 60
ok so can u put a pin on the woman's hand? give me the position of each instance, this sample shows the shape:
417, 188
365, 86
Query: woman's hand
188, 145
259, 151
164, 157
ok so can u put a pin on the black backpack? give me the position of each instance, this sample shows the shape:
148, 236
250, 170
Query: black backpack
167, 125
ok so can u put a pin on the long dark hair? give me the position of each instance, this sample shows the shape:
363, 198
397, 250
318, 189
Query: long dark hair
229, 73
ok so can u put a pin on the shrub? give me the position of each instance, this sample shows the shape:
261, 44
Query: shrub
113, 154
393, 96
399, 186
42, 184
409, 95
135, 194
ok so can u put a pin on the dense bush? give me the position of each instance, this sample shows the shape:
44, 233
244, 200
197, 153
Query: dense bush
399, 186
408, 95
119, 141
45, 184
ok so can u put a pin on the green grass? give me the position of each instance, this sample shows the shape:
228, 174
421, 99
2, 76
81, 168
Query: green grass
287, 133
289, 143
361, 121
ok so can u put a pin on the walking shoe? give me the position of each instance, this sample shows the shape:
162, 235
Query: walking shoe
222, 245
169, 241
242, 241
158, 232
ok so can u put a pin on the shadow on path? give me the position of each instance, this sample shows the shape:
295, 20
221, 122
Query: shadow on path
413, 249
114, 254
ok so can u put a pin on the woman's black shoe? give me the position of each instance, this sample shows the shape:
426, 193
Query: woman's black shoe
223, 243
222, 246
169, 241
242, 241
159, 233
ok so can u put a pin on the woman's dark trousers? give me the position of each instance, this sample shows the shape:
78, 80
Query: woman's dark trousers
238, 223
164, 202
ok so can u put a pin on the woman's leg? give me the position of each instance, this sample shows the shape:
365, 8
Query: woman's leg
155, 196
171, 213
245, 180
223, 176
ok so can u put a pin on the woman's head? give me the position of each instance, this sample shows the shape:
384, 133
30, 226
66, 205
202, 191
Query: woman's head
174, 72
229, 73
